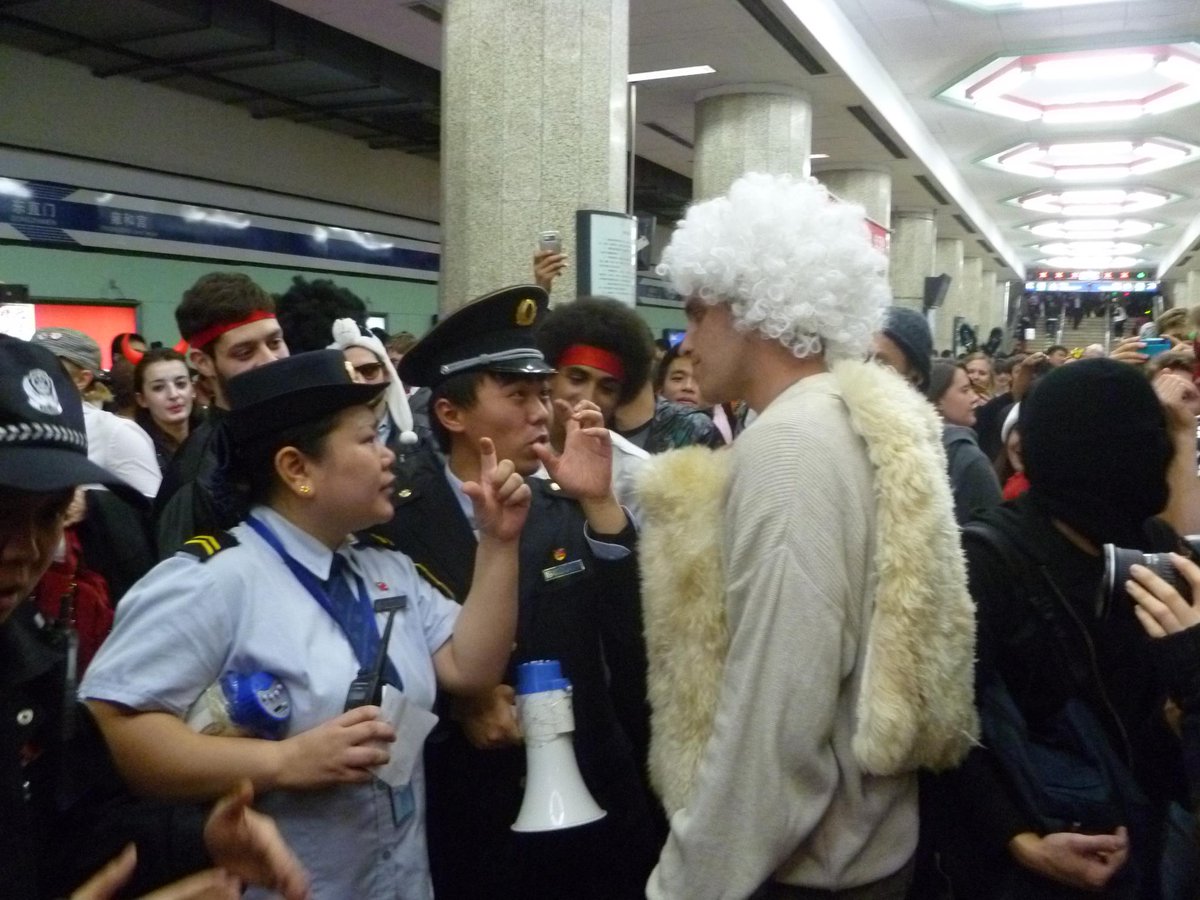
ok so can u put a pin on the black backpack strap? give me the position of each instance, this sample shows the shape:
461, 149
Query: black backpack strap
1040, 591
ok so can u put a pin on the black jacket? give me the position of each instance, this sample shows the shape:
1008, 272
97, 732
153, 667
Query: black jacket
973, 808
191, 500
589, 620
64, 810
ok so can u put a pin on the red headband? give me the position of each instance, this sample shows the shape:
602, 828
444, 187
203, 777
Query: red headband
587, 355
203, 338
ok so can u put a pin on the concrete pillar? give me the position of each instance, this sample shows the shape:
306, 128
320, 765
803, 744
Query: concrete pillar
749, 128
949, 261
534, 127
987, 305
1193, 288
870, 189
972, 299
911, 255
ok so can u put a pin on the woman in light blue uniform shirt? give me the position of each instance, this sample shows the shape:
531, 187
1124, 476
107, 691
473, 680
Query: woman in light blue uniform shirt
289, 593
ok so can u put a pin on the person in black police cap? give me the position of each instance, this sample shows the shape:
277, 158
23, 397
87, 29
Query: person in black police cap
50, 751
489, 379
493, 333
287, 593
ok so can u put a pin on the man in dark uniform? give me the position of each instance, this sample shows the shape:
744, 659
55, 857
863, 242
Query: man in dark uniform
64, 810
579, 604
229, 323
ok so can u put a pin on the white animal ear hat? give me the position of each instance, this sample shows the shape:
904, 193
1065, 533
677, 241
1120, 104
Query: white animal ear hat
347, 334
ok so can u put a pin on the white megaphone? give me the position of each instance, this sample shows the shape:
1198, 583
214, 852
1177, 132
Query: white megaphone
555, 795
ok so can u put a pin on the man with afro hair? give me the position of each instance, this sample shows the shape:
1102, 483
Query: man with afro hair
308, 309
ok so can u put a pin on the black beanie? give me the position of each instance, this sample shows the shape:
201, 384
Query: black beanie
1096, 450
908, 329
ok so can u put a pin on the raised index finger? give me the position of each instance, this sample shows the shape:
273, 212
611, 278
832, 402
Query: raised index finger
487, 459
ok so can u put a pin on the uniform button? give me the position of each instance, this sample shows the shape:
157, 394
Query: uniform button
387, 854
554, 486
405, 494
24, 717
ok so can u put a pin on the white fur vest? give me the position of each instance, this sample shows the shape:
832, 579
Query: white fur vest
916, 707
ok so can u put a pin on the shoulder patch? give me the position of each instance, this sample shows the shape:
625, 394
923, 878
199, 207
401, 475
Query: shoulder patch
205, 546
434, 580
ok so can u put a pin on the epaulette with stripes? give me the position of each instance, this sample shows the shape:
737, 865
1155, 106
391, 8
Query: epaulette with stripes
205, 546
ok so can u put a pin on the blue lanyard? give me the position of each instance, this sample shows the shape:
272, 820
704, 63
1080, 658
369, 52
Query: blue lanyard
313, 585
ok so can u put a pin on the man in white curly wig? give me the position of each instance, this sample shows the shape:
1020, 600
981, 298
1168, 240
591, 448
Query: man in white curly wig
851, 633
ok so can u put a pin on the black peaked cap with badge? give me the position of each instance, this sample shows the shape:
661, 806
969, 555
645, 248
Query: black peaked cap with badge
292, 391
494, 333
43, 443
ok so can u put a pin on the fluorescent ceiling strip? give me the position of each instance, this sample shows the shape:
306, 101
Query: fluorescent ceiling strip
670, 73
830, 28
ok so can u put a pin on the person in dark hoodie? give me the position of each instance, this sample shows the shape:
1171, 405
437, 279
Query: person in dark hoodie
972, 478
1100, 450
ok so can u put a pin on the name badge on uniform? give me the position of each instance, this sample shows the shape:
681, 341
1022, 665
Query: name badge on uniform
562, 571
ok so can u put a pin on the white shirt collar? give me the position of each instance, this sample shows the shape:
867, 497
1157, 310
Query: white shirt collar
299, 544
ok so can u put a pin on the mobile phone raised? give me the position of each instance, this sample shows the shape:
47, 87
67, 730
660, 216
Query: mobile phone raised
549, 240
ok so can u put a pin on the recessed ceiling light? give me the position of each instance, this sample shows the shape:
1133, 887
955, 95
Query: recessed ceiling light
1094, 203
1084, 85
1014, 5
1105, 160
670, 73
1092, 248
818, 156
1084, 229
1089, 262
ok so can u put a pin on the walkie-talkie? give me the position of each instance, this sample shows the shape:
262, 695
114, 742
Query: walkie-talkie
367, 688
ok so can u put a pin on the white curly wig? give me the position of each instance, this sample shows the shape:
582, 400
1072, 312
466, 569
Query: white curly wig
789, 259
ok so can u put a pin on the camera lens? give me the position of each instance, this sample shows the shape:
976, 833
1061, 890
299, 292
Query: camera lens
1119, 560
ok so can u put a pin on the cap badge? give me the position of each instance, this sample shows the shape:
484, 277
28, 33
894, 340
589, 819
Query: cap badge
40, 392
526, 312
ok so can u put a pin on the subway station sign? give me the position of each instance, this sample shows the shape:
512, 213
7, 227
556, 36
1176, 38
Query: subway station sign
48, 213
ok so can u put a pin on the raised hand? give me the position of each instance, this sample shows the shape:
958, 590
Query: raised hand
343, 750
547, 266
1129, 351
247, 844
584, 470
500, 497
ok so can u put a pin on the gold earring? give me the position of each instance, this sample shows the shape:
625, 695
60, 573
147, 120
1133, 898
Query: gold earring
305, 489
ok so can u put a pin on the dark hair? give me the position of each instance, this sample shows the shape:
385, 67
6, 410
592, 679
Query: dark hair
152, 356
941, 376
252, 469
604, 323
664, 367
1003, 365
218, 298
462, 390
1055, 348
308, 310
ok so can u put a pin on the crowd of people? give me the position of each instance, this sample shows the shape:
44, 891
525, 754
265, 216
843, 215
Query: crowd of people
840, 619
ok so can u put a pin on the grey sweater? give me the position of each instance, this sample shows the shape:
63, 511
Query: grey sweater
972, 478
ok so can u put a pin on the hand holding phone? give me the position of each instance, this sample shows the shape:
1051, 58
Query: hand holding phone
1155, 346
549, 241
